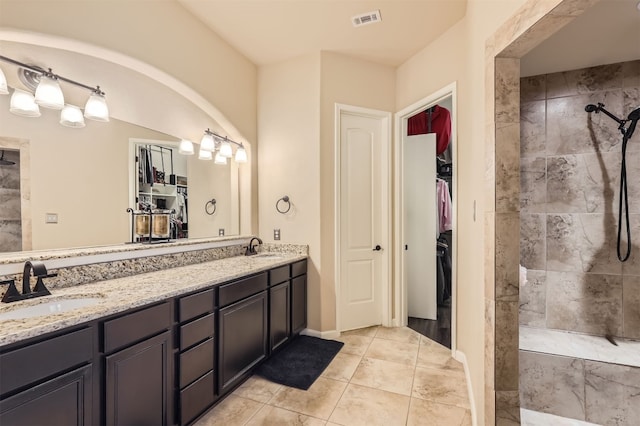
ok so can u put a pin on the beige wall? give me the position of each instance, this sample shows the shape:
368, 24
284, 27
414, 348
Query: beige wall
296, 155
350, 81
459, 55
288, 154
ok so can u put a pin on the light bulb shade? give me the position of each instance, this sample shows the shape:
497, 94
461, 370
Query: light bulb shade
71, 116
4, 90
220, 159
241, 155
225, 149
22, 103
186, 147
203, 154
207, 143
49, 94
96, 108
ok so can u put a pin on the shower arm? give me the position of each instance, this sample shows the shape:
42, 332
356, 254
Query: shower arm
600, 108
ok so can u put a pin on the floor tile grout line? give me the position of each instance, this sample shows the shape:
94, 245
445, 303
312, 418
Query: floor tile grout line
343, 391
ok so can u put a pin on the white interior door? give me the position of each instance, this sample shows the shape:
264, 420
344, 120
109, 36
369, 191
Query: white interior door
364, 253
419, 224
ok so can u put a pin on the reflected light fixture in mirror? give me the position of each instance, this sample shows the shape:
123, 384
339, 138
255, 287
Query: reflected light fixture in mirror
71, 116
241, 155
48, 93
207, 143
225, 149
186, 147
96, 107
203, 154
4, 90
23, 103
220, 159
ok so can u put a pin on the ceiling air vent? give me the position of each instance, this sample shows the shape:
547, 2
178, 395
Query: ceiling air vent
366, 18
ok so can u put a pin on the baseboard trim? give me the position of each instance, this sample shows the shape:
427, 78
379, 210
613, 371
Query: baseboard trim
331, 334
461, 357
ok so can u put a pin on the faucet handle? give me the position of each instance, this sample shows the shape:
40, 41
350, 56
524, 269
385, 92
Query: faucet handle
12, 292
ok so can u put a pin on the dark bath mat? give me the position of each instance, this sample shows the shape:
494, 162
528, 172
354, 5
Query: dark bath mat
301, 362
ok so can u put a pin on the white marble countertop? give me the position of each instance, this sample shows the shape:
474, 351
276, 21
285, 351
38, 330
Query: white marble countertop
119, 295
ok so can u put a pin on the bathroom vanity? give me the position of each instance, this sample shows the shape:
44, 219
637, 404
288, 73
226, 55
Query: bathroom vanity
158, 348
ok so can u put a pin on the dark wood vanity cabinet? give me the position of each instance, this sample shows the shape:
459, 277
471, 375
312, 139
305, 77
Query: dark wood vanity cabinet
196, 390
138, 372
161, 364
298, 297
48, 382
242, 329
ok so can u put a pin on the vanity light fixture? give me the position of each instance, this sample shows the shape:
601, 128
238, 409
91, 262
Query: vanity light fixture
186, 147
23, 103
71, 116
48, 94
221, 146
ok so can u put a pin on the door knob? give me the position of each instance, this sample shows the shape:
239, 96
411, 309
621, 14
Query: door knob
377, 248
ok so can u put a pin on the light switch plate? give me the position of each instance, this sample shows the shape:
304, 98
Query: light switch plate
276, 234
51, 218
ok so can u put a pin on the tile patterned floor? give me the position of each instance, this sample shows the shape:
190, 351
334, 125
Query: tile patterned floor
382, 376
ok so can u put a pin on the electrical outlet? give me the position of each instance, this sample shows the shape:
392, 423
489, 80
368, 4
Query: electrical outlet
221, 232
276, 234
51, 218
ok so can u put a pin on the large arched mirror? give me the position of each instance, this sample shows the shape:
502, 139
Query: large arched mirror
77, 183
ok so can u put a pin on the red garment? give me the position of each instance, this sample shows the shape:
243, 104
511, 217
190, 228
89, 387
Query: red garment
440, 125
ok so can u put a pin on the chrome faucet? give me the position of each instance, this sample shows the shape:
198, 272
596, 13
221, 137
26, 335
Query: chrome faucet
251, 249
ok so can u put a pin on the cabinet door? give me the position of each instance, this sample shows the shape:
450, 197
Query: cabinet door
137, 383
63, 401
243, 339
279, 314
298, 304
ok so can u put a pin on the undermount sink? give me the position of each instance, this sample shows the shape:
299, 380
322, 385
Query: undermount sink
50, 307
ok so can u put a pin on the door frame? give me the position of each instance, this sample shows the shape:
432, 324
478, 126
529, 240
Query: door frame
385, 119
400, 290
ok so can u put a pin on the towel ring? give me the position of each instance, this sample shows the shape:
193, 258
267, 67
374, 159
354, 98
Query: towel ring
284, 199
207, 207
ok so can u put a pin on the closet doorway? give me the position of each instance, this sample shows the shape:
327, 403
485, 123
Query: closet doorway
425, 203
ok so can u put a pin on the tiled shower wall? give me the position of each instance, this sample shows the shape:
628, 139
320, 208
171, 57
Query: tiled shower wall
10, 219
570, 176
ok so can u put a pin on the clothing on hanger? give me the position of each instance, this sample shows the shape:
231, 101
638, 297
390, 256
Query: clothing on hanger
433, 120
443, 203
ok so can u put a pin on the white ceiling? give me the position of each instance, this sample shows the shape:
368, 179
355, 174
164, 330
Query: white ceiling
270, 31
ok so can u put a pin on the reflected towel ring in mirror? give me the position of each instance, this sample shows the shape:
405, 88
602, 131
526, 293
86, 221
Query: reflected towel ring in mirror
284, 199
210, 207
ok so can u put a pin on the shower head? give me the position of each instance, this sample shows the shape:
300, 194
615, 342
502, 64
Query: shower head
634, 115
4, 162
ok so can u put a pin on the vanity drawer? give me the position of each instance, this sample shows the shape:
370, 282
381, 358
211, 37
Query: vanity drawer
195, 362
195, 398
197, 331
38, 361
128, 329
278, 275
299, 268
195, 305
238, 290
